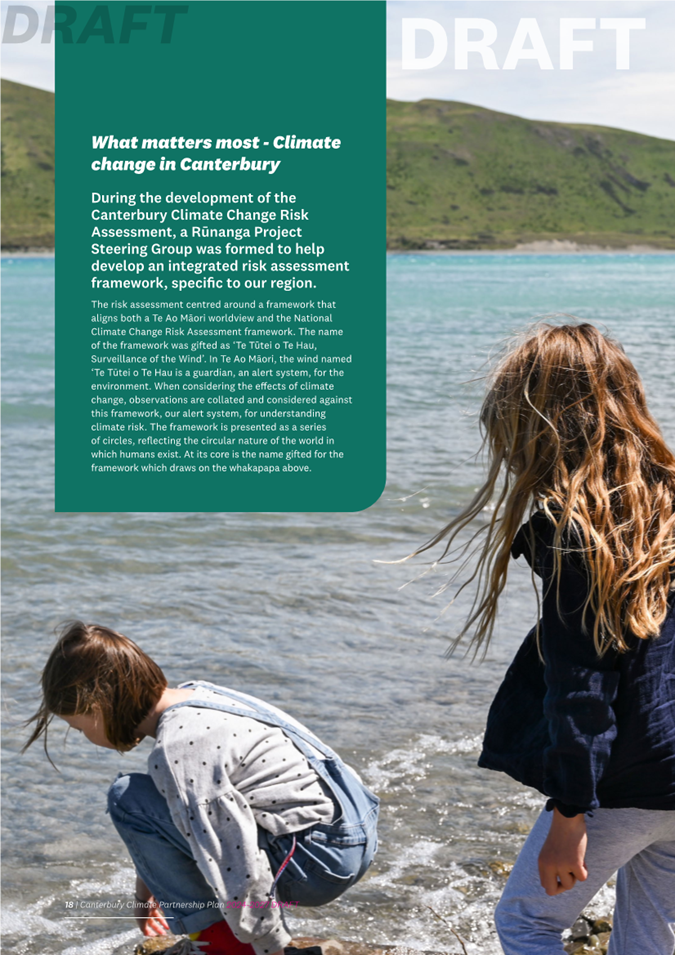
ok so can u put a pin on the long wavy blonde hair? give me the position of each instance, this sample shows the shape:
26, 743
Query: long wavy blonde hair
567, 431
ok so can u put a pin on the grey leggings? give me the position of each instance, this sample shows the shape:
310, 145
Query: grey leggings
640, 843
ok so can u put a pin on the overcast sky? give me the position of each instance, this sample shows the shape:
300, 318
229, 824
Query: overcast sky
641, 98
32, 62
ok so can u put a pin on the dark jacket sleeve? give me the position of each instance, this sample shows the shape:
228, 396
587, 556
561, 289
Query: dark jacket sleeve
581, 686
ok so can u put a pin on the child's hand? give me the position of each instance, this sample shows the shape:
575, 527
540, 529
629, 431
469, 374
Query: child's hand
561, 860
149, 917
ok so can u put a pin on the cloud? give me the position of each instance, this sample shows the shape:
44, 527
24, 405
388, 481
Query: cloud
32, 62
594, 92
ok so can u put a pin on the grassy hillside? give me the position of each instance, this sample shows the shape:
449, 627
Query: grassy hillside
27, 167
463, 177
458, 177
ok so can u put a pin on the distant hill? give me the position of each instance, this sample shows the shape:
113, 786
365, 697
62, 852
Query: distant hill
458, 177
463, 177
27, 167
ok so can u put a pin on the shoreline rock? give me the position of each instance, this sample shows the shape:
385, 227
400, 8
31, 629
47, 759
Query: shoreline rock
27, 252
587, 937
304, 945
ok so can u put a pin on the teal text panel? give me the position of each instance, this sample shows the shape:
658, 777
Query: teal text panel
220, 256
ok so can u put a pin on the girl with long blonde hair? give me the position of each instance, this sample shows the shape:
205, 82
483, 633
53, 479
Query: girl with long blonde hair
583, 487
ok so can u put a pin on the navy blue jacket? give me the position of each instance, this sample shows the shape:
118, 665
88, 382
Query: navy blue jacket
587, 731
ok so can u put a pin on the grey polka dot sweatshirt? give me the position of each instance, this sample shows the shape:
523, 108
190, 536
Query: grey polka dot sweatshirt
223, 776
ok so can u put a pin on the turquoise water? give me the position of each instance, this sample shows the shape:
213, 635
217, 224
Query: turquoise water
294, 608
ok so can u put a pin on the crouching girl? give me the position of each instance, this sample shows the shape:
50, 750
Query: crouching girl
242, 809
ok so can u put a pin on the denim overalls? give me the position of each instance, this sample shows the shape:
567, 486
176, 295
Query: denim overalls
326, 860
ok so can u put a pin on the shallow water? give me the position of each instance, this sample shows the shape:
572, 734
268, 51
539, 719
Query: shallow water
294, 608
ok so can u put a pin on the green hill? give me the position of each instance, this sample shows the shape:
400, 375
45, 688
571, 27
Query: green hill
458, 177
463, 177
27, 167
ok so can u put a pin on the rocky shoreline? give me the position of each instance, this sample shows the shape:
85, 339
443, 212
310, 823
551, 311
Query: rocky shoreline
39, 252
170, 945
587, 937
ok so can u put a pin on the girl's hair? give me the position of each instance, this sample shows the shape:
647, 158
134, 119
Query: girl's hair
567, 431
93, 669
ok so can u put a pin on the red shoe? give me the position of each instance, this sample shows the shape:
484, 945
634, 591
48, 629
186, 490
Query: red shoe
220, 940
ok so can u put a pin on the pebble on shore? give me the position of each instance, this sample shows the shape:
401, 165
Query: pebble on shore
180, 945
587, 938
173, 945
